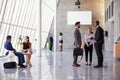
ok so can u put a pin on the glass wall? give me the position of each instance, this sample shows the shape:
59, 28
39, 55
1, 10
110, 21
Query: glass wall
18, 19
47, 18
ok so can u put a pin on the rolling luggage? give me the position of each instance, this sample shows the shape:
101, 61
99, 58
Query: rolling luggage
10, 65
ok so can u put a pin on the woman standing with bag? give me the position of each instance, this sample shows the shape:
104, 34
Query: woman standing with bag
89, 40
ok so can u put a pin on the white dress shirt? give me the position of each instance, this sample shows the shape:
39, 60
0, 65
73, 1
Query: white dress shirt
88, 39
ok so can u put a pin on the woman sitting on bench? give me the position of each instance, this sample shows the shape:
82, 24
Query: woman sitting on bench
27, 49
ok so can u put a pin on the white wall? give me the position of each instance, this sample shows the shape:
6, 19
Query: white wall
69, 5
114, 27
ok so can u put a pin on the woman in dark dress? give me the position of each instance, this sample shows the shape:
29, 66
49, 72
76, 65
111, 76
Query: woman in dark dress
27, 48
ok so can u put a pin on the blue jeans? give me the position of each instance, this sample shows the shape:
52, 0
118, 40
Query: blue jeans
20, 56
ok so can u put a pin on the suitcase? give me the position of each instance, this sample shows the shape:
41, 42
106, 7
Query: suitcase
10, 65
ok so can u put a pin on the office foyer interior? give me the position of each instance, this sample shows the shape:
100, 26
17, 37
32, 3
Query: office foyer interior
39, 18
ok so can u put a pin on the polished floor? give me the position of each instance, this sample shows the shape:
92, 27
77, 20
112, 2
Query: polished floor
58, 66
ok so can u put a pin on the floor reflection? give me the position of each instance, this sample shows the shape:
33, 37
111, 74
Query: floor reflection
18, 74
88, 73
60, 59
116, 70
61, 69
100, 74
75, 74
10, 74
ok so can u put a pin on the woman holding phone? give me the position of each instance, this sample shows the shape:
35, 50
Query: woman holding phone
89, 40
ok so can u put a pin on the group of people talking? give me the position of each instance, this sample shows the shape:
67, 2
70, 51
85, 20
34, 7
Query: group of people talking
90, 39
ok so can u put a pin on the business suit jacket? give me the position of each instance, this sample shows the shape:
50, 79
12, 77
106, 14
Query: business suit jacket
99, 35
77, 36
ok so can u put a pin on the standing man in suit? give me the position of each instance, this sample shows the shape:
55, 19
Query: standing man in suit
77, 43
99, 40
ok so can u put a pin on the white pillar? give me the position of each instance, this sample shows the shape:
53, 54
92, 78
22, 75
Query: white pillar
55, 37
55, 26
39, 26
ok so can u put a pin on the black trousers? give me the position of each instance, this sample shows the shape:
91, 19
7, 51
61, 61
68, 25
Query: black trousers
88, 50
51, 46
20, 56
75, 59
98, 48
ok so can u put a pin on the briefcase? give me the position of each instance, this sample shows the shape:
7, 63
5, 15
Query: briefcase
79, 53
10, 65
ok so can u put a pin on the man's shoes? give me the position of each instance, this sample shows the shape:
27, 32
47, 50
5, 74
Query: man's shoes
78, 64
23, 66
18, 64
75, 65
98, 66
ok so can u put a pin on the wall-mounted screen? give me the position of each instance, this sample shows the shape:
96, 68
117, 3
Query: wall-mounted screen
85, 17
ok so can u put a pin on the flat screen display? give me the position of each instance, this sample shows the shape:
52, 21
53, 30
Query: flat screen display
85, 17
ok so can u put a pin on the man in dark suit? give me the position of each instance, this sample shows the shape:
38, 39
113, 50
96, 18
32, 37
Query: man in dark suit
77, 42
99, 40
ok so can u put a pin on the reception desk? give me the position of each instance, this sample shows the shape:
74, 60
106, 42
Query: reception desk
116, 50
